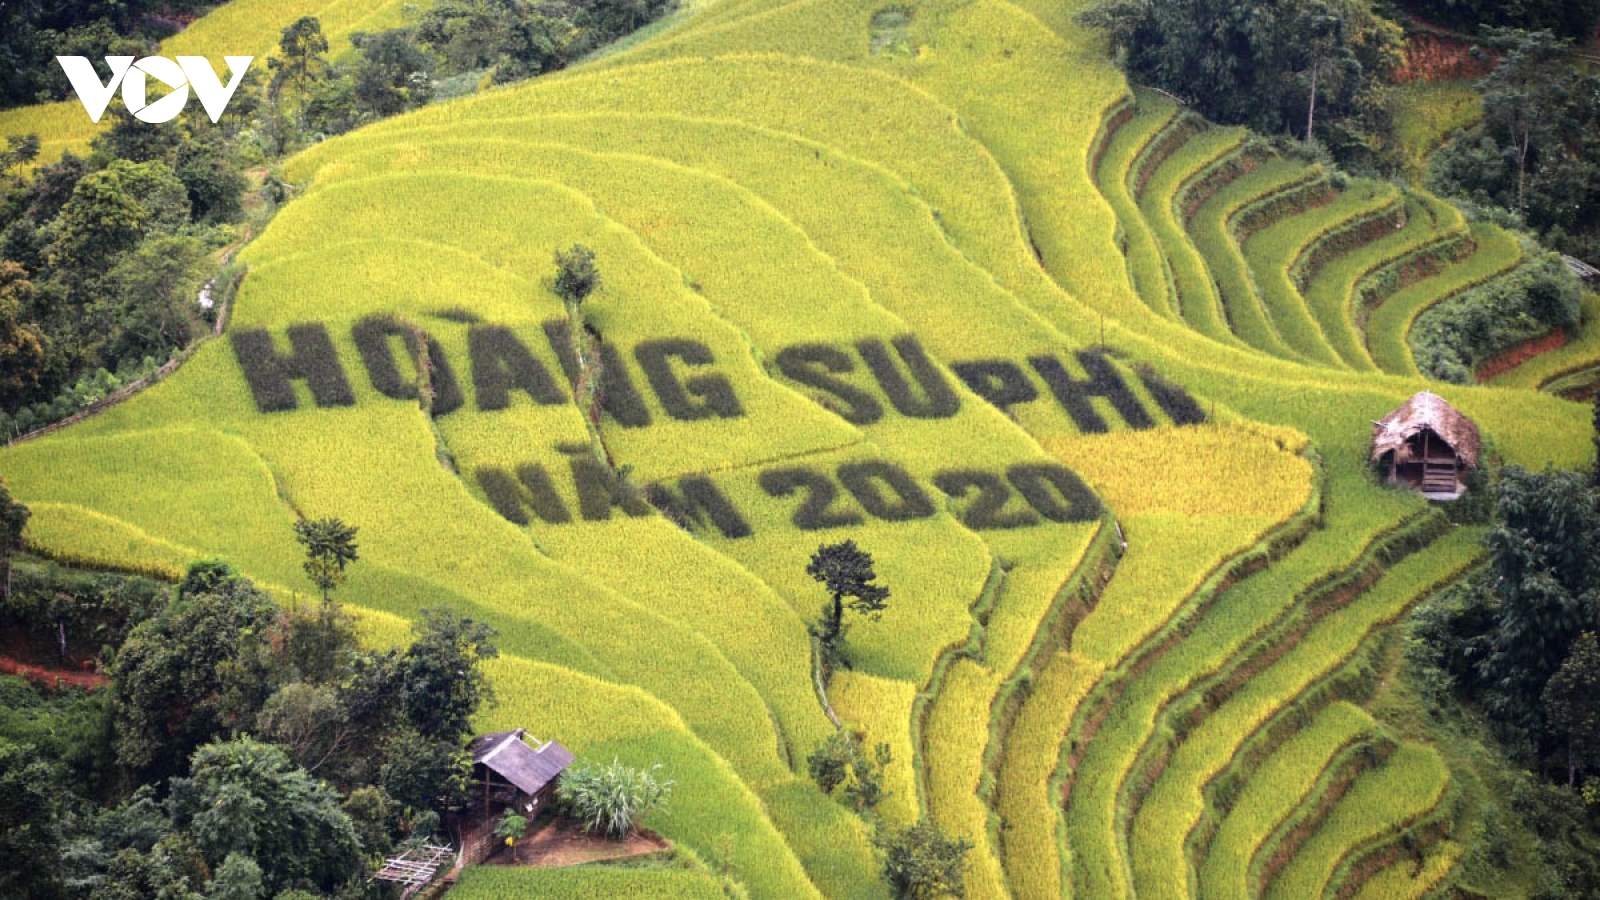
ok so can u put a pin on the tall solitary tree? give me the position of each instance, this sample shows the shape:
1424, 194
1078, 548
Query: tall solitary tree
847, 572
301, 62
330, 546
576, 274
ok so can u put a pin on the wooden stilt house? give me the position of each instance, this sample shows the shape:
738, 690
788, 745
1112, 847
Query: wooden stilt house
1426, 445
514, 774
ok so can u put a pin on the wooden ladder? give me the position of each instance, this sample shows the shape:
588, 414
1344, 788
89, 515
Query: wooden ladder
1439, 477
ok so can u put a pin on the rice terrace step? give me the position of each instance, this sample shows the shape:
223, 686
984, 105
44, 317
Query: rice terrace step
984, 448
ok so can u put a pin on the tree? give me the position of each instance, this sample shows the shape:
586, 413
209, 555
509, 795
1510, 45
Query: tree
20, 150
844, 755
613, 799
33, 821
1546, 575
921, 862
178, 677
512, 828
238, 878
576, 275
423, 772
22, 344
1572, 703
302, 63
1271, 66
13, 519
441, 676
147, 296
394, 74
247, 798
1521, 95
846, 571
330, 546
829, 764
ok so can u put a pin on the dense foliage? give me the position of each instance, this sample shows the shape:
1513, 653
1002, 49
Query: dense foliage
1311, 68
1536, 152
352, 751
101, 257
1573, 18
1452, 338
34, 32
1501, 639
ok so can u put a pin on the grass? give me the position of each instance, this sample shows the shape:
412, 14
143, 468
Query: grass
1028, 798
1271, 251
1273, 792
1427, 114
1175, 804
881, 708
1146, 263
1211, 230
585, 883
1197, 298
1579, 354
1389, 324
1331, 292
1408, 784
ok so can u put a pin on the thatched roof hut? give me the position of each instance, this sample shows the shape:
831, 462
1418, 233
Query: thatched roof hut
1426, 444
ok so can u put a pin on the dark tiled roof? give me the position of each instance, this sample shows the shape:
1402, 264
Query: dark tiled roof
1430, 411
507, 755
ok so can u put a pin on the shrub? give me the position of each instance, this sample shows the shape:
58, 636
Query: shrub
923, 862
613, 799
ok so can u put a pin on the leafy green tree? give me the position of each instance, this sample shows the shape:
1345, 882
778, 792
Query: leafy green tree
111, 210
843, 760
921, 862
176, 675
846, 571
829, 764
34, 812
301, 62
423, 772
394, 74
238, 878
441, 676
1594, 474
615, 798
148, 295
173, 869
247, 798
13, 520
22, 344
511, 828
1572, 703
1572, 18
577, 276
330, 546
305, 720
1270, 66
20, 150
1547, 577
1537, 149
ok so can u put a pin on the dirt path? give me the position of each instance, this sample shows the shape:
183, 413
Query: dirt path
563, 843
53, 678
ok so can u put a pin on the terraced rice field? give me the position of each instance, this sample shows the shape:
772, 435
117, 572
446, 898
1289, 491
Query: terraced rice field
1092, 380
